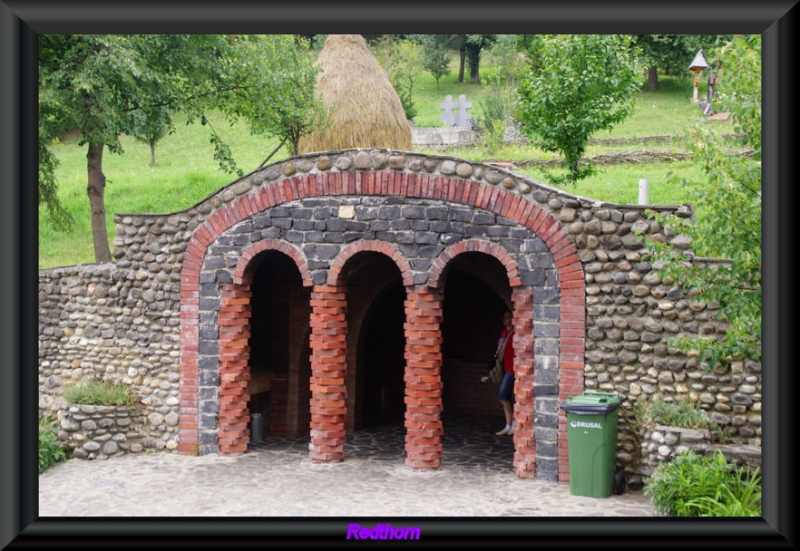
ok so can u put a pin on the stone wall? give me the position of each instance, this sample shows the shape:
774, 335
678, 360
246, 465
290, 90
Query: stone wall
99, 432
105, 322
661, 443
121, 321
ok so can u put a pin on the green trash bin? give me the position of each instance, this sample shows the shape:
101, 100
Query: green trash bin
592, 437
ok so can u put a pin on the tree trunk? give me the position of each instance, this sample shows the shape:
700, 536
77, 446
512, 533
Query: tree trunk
463, 53
474, 61
652, 79
153, 153
474, 67
96, 191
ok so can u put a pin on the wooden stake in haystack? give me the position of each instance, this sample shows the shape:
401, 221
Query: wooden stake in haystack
366, 109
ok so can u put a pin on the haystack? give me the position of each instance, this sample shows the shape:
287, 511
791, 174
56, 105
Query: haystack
366, 109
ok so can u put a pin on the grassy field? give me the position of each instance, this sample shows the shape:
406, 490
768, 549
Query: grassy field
185, 171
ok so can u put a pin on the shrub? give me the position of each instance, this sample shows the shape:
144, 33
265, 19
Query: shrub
101, 393
496, 106
680, 413
695, 486
50, 452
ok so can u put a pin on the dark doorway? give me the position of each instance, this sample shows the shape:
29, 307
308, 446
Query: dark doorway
376, 340
384, 362
476, 293
279, 367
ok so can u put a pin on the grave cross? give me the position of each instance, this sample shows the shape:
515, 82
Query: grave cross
460, 117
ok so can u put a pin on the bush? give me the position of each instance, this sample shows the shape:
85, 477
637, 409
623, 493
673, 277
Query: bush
50, 452
407, 103
496, 106
695, 486
101, 393
680, 413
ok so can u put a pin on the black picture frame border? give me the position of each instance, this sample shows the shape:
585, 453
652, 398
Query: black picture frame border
21, 22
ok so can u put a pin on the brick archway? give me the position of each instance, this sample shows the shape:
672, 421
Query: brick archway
329, 350
234, 350
425, 299
369, 245
522, 307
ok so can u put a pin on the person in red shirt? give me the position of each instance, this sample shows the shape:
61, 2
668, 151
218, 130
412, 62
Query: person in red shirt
505, 346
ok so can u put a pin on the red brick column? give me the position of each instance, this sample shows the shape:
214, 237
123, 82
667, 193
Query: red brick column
423, 377
524, 441
328, 370
571, 358
234, 370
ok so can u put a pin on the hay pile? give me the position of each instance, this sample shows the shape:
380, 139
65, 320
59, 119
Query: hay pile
366, 109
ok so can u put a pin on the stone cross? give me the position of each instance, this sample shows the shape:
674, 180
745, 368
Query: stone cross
460, 117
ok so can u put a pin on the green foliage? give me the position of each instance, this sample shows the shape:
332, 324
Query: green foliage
288, 105
50, 452
506, 58
101, 393
474, 45
730, 196
436, 53
672, 53
584, 84
108, 86
681, 413
187, 172
739, 87
496, 106
150, 126
406, 101
726, 503
48, 188
405, 68
694, 486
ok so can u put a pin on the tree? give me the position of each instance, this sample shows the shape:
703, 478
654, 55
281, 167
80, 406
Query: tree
507, 56
670, 53
407, 66
585, 83
403, 59
99, 85
496, 106
151, 126
437, 54
473, 46
730, 198
289, 106
469, 48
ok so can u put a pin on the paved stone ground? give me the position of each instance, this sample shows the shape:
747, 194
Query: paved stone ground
275, 478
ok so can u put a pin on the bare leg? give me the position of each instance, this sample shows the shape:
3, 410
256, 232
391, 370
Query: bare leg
508, 410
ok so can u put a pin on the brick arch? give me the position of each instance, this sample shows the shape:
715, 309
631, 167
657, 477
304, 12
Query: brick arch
234, 349
370, 245
523, 321
243, 272
436, 272
524, 211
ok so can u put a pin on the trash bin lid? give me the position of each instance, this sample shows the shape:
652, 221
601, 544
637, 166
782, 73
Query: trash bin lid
594, 403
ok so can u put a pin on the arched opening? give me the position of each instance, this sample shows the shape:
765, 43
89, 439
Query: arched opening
279, 346
382, 363
375, 317
476, 293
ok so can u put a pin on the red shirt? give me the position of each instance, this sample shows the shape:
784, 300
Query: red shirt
508, 356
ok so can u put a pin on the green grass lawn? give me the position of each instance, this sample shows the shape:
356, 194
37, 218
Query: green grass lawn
186, 173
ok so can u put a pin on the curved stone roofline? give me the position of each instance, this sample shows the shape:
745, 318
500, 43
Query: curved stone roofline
388, 160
